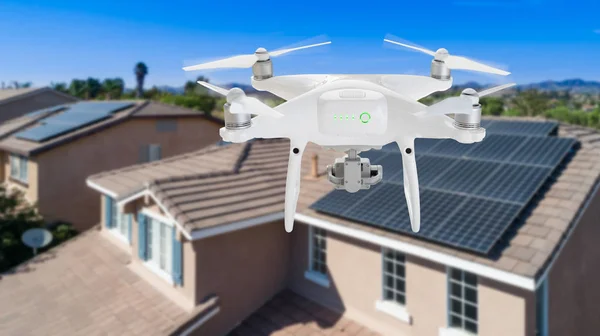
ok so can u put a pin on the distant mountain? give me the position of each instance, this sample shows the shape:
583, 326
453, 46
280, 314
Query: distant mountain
573, 85
171, 89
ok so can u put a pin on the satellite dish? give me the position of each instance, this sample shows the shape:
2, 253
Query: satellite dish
36, 238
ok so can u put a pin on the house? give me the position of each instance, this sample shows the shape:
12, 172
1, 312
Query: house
49, 153
195, 245
17, 102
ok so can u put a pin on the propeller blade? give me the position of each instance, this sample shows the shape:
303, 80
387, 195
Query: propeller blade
427, 51
240, 61
452, 105
215, 88
285, 51
495, 89
459, 62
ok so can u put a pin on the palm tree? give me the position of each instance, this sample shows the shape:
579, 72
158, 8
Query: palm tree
77, 88
140, 70
113, 88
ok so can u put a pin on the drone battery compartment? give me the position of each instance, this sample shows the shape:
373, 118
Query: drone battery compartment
352, 112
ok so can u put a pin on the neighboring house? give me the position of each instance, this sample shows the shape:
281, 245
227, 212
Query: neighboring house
205, 231
49, 153
17, 102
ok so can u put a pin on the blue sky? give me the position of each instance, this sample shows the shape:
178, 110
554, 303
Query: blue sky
45, 41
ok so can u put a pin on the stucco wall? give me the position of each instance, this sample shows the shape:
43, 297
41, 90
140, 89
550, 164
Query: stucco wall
573, 282
62, 191
245, 269
355, 270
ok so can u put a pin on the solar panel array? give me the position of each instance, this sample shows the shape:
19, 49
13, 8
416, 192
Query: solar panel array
470, 194
76, 116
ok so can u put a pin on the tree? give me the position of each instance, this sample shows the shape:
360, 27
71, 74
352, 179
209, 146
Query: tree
531, 102
492, 106
92, 88
113, 88
77, 88
60, 87
193, 88
16, 217
140, 70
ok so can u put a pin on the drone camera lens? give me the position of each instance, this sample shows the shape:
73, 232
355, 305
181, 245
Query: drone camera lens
408, 151
296, 150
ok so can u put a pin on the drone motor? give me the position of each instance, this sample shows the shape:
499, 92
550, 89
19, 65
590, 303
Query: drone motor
263, 68
471, 120
235, 121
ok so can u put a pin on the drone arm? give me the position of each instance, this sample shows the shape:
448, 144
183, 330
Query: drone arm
411, 182
292, 187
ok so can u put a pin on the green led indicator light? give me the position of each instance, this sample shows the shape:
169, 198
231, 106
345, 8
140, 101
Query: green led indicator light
353, 117
365, 117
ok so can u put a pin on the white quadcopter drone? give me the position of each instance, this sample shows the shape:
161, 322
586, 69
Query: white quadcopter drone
352, 113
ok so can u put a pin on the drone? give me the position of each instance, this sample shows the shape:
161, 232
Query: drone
352, 114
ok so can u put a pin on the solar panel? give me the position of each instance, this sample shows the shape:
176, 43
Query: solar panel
77, 119
388, 198
392, 164
45, 110
100, 107
546, 151
531, 128
477, 225
391, 147
465, 176
44, 132
373, 154
471, 194
423, 145
485, 123
513, 183
497, 147
78, 115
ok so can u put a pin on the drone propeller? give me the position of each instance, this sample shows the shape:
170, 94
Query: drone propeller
462, 104
247, 61
454, 62
240, 103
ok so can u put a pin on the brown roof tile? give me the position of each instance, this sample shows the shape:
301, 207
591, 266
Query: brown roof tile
81, 287
293, 315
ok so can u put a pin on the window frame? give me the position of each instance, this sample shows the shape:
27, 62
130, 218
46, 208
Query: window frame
462, 300
119, 221
21, 168
394, 277
153, 260
311, 273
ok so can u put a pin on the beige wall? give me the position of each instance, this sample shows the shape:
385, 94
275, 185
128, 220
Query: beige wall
183, 295
245, 269
355, 270
31, 103
573, 282
62, 191
30, 189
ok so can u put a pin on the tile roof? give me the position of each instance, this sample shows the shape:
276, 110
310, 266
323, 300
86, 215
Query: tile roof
83, 287
289, 314
526, 252
6, 94
140, 108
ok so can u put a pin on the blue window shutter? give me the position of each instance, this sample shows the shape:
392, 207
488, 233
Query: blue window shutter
177, 267
108, 207
129, 224
142, 234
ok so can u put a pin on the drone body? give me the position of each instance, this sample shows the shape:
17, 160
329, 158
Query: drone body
352, 113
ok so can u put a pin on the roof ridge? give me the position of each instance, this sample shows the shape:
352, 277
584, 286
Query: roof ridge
203, 151
188, 177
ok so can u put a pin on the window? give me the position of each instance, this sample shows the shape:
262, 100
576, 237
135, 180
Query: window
18, 168
166, 125
318, 247
159, 248
149, 153
462, 300
117, 221
394, 283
